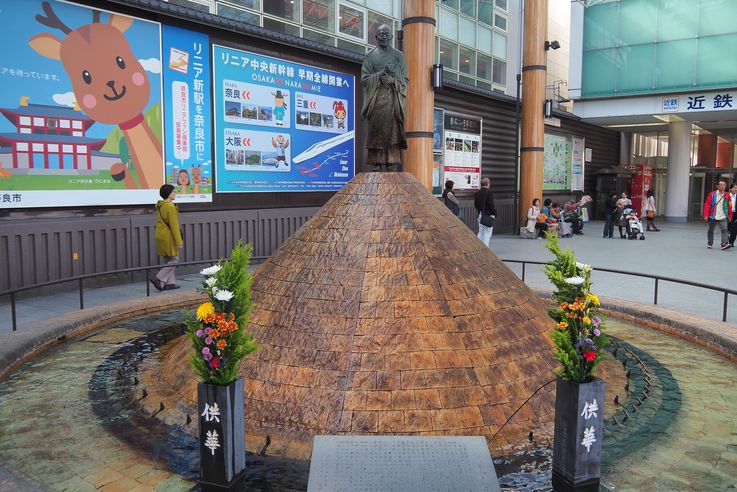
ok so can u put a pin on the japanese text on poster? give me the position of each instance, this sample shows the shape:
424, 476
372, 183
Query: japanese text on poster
187, 114
462, 139
281, 126
557, 163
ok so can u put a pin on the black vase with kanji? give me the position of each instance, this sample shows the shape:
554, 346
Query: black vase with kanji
579, 428
222, 444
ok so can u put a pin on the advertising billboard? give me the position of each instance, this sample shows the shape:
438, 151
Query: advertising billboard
281, 126
462, 163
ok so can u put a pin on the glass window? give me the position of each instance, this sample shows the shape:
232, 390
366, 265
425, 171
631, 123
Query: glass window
500, 72
449, 75
466, 80
483, 42
681, 75
486, 12
352, 21
717, 17
676, 20
637, 22
347, 45
191, 5
448, 54
374, 22
483, 85
501, 4
499, 46
600, 26
500, 21
453, 4
238, 15
384, 6
286, 9
483, 67
448, 24
467, 31
468, 7
467, 61
319, 13
279, 26
714, 68
251, 4
319, 37
599, 72
639, 75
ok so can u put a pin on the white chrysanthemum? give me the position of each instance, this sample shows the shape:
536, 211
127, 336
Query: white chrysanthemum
223, 295
211, 271
575, 280
583, 266
211, 281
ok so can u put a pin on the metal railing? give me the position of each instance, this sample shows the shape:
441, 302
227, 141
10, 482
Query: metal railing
656, 278
81, 278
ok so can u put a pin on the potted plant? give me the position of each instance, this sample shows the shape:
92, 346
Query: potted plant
219, 343
579, 346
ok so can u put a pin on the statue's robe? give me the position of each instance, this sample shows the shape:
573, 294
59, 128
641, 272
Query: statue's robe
384, 105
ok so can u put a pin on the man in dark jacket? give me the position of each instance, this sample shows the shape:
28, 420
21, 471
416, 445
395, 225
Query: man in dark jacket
483, 200
610, 208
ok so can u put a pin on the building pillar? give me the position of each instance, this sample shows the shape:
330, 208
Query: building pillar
679, 165
418, 42
725, 154
625, 148
706, 155
533, 100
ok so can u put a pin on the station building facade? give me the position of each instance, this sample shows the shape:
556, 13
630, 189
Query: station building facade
661, 73
302, 42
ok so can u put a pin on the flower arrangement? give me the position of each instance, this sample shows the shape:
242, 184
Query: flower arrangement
578, 336
218, 331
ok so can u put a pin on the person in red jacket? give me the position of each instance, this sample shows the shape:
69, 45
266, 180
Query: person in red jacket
718, 210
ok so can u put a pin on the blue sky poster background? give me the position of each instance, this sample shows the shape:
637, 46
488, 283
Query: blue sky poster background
304, 176
51, 86
197, 47
19, 24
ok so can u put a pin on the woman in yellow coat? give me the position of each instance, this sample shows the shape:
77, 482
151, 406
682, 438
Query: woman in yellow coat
168, 238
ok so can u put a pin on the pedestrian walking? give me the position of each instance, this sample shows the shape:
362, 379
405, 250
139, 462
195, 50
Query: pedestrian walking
648, 210
483, 201
168, 238
718, 211
733, 222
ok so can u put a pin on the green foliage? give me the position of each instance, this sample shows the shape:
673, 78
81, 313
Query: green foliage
223, 320
578, 336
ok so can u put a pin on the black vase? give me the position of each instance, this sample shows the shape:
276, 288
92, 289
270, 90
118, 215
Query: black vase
222, 445
579, 429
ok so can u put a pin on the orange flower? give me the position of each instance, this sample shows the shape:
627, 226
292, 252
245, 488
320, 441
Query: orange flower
221, 344
564, 305
562, 325
570, 315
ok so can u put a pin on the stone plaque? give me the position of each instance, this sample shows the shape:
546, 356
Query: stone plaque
401, 463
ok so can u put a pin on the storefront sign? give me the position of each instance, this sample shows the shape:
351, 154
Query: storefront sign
187, 114
577, 164
462, 164
557, 163
73, 130
281, 126
711, 101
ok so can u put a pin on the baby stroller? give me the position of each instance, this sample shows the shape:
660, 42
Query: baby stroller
632, 222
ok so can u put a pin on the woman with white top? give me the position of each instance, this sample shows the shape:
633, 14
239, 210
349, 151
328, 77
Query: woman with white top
533, 222
648, 210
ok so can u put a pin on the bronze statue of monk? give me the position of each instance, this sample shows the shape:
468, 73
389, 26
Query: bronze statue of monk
384, 79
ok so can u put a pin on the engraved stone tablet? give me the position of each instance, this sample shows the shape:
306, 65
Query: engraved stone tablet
401, 463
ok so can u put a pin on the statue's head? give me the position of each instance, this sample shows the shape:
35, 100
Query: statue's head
384, 36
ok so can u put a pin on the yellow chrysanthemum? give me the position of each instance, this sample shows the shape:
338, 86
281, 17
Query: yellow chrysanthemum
593, 299
562, 325
586, 320
205, 309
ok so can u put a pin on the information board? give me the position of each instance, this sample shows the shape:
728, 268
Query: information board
557, 163
462, 160
281, 126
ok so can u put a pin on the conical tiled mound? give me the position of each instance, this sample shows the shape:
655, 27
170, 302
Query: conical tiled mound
385, 314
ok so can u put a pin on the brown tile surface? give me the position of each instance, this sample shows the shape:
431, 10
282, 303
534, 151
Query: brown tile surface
385, 314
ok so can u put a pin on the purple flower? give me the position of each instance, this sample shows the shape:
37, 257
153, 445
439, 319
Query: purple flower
207, 357
199, 333
205, 350
589, 341
596, 321
208, 340
597, 332
208, 330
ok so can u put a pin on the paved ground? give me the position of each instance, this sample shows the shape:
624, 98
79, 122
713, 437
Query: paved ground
678, 251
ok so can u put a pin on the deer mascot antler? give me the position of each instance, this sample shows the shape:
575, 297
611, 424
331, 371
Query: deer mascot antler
108, 81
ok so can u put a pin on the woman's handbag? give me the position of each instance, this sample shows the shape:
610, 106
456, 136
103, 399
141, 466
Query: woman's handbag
651, 214
487, 220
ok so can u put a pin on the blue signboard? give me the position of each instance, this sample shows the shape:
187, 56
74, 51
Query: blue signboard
187, 114
281, 126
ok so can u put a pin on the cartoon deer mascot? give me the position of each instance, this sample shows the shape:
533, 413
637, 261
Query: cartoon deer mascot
109, 83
